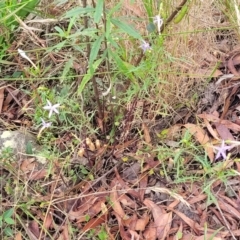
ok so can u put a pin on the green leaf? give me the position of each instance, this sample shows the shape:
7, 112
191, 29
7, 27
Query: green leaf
8, 231
95, 49
8, 213
151, 27
9, 221
67, 67
31, 5
78, 11
126, 28
98, 11
29, 148
88, 75
60, 31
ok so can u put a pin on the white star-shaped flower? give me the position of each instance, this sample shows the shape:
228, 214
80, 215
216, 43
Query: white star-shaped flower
51, 108
45, 124
222, 150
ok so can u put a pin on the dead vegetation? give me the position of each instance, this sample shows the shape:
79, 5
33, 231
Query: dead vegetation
152, 176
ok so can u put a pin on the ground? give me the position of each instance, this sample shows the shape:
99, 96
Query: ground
133, 108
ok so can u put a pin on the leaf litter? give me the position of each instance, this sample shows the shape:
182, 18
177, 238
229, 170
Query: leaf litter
126, 198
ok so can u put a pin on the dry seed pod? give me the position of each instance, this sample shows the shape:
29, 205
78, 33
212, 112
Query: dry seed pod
92, 147
81, 152
88, 141
98, 144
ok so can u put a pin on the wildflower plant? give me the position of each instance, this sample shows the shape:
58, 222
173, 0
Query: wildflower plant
51, 108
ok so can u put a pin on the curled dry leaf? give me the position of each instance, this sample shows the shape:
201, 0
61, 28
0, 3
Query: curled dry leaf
151, 232
116, 204
202, 137
162, 219
146, 133
142, 222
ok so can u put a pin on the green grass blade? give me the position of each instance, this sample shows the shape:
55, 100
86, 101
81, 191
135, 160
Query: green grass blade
99, 11
87, 77
126, 28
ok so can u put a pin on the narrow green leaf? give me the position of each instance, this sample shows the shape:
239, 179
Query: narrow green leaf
29, 148
78, 11
95, 49
87, 77
98, 11
126, 28
7, 62
67, 67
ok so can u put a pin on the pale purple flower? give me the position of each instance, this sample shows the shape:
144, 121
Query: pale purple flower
158, 21
222, 150
51, 108
145, 46
45, 124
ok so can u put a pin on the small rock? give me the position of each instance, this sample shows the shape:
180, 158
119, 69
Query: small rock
22, 143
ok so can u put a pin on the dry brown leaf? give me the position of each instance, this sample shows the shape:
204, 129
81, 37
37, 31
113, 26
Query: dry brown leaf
194, 225
116, 204
229, 209
48, 221
9, 98
127, 201
134, 235
125, 186
142, 222
124, 234
224, 132
86, 204
162, 219
197, 198
231, 66
151, 232
208, 236
142, 185
18, 236
94, 222
28, 165
37, 175
202, 137
227, 123
146, 133
210, 129
1, 98
34, 228
179, 232
64, 234
92, 211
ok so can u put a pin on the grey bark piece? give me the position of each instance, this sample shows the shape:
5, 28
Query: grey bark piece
18, 141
